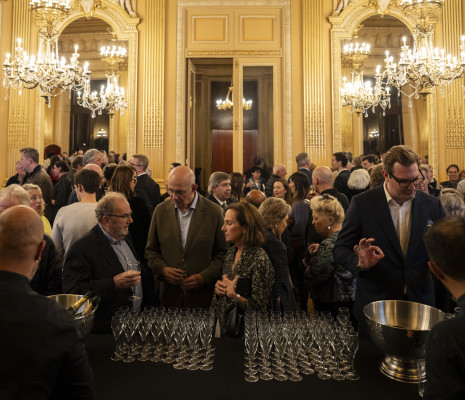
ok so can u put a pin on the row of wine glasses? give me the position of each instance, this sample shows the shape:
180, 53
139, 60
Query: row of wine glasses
178, 336
288, 346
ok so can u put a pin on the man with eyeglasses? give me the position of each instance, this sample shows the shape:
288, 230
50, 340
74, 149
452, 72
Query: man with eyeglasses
186, 246
145, 184
381, 238
100, 262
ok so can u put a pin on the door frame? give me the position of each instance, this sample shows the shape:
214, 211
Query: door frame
283, 144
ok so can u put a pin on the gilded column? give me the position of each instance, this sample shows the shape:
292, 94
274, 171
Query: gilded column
452, 29
153, 94
18, 111
315, 139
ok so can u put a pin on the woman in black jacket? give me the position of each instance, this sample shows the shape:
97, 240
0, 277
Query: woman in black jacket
275, 212
124, 180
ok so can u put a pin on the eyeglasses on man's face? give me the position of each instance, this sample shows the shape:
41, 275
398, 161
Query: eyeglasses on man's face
123, 216
135, 165
405, 183
178, 193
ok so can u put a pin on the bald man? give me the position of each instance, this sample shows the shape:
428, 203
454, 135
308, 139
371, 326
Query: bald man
42, 354
255, 197
186, 246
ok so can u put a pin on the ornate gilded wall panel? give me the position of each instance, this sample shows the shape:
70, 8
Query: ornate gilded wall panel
153, 87
18, 110
452, 29
315, 135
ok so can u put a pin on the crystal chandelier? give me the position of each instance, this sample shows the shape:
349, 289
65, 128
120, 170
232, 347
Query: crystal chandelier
424, 67
360, 95
110, 97
46, 70
228, 104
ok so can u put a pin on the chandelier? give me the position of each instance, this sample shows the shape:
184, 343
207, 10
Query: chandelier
110, 97
227, 103
361, 96
424, 67
47, 70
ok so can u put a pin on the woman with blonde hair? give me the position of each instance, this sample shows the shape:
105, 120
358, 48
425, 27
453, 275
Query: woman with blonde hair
330, 285
37, 203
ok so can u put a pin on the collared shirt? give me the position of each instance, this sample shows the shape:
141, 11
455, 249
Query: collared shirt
401, 217
221, 203
185, 219
125, 256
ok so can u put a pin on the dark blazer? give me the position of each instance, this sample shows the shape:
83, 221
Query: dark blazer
151, 188
91, 264
228, 202
203, 254
48, 277
340, 183
61, 193
139, 229
42, 354
306, 172
369, 217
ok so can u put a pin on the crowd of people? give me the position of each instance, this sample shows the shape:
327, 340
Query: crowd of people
320, 239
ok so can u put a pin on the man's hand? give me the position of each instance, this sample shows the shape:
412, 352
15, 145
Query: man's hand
368, 255
192, 282
173, 275
127, 279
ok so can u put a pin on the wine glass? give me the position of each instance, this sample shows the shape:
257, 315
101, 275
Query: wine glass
133, 269
352, 344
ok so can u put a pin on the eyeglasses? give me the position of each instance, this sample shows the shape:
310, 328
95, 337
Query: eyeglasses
405, 183
124, 216
178, 193
135, 165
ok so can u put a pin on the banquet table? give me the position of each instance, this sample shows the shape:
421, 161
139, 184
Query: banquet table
149, 380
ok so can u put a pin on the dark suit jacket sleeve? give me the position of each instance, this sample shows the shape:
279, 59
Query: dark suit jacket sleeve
78, 276
350, 235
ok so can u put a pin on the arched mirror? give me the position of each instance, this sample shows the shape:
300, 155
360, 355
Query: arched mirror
79, 129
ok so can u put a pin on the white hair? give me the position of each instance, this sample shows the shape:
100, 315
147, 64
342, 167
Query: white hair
359, 179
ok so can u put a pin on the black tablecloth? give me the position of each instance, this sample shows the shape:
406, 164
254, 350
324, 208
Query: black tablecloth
148, 380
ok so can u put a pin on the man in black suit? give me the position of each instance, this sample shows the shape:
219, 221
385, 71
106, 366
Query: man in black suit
445, 346
339, 164
394, 216
100, 260
42, 354
145, 183
303, 165
219, 189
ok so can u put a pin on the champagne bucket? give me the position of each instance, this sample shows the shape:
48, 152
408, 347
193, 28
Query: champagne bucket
85, 322
399, 328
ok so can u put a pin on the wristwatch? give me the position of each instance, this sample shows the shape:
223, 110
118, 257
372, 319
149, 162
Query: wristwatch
236, 299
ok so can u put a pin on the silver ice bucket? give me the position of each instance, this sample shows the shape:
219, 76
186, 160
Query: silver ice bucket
84, 323
399, 328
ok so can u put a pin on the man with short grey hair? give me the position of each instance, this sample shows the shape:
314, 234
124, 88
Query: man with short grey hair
101, 262
36, 174
219, 189
145, 185
93, 156
303, 165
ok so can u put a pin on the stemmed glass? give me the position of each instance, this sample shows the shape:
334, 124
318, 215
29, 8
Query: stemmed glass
117, 326
192, 338
156, 332
179, 336
133, 269
264, 336
352, 345
206, 332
